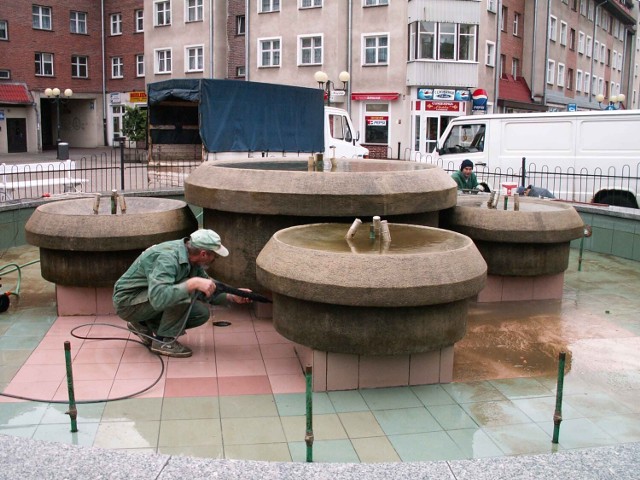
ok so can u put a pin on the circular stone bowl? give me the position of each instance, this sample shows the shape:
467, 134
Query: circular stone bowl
365, 297
532, 241
246, 201
81, 249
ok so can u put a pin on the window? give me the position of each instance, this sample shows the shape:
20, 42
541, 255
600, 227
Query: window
240, 72
5, 74
594, 85
266, 6
139, 21
553, 28
551, 71
583, 8
591, 10
515, 67
580, 42
516, 24
596, 50
77, 22
310, 50
503, 62
163, 61
140, 65
376, 49
578, 80
194, 58
117, 67
41, 17
503, 19
240, 25
601, 85
619, 61
603, 52
4, 30
310, 3
116, 23
572, 39
375, 3
492, 5
561, 74
563, 33
162, 13
79, 66
269, 50
376, 128
194, 10
44, 64
587, 83
490, 58
442, 41
574, 5
589, 46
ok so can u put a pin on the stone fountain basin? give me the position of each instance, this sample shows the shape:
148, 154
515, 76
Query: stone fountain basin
248, 200
348, 297
79, 248
532, 241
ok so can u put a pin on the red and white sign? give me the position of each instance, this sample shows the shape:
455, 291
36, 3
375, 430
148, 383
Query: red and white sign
441, 106
377, 121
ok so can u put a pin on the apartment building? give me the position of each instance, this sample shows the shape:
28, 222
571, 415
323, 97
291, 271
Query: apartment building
59, 47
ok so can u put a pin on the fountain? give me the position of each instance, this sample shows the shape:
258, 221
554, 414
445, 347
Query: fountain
380, 313
84, 252
247, 201
526, 250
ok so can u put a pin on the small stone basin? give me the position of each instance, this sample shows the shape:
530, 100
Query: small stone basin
533, 241
364, 297
81, 249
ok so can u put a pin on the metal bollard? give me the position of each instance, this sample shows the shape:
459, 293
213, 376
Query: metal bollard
308, 437
557, 415
72, 412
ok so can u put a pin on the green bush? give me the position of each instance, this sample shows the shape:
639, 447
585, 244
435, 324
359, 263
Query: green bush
134, 124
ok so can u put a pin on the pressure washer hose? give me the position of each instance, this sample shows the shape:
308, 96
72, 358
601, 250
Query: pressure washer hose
4, 297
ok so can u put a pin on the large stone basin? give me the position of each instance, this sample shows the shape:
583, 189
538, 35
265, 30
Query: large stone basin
247, 201
533, 241
362, 297
81, 249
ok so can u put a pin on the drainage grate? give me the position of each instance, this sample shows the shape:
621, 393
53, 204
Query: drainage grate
221, 324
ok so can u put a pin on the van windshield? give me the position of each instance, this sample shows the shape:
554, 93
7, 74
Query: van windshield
468, 137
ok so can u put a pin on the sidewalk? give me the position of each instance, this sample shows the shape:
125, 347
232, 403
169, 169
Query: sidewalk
50, 155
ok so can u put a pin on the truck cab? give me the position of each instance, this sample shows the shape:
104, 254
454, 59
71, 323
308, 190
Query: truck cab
340, 138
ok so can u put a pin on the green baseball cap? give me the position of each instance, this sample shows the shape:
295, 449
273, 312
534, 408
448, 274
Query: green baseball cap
208, 240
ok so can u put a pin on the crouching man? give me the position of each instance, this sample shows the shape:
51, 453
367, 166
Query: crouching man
154, 294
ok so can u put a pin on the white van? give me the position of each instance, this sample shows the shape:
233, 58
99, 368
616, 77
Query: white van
578, 156
340, 138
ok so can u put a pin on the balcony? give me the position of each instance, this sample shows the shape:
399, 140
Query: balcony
451, 74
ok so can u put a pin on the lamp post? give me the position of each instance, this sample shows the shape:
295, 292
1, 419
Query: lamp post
323, 79
55, 94
615, 102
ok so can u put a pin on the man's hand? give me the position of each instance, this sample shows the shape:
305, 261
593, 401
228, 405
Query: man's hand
199, 284
238, 299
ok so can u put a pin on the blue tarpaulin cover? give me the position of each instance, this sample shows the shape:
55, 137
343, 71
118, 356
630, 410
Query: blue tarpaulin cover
238, 116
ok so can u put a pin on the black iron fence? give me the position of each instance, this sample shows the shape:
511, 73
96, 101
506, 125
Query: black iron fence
93, 174
612, 185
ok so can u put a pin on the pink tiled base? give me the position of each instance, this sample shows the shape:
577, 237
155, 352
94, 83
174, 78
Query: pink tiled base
508, 289
339, 371
84, 301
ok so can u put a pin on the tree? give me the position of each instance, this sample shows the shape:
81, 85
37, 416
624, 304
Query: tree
134, 124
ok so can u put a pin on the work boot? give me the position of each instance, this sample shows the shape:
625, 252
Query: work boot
143, 332
171, 349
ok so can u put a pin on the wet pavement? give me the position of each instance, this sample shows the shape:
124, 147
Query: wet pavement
500, 404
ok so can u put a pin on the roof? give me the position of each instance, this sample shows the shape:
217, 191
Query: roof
16, 93
514, 89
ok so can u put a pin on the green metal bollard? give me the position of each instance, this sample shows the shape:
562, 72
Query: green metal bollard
557, 415
72, 412
308, 438
587, 233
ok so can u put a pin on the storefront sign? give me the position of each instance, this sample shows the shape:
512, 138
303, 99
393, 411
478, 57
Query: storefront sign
480, 98
137, 97
377, 121
444, 94
441, 106
114, 98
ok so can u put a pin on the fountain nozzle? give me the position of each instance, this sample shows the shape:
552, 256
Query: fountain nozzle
354, 227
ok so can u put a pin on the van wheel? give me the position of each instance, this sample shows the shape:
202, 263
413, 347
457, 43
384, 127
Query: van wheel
618, 200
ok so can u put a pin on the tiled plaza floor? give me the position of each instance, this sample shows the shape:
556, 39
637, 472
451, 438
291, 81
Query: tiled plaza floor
241, 395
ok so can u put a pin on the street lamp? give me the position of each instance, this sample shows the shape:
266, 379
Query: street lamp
322, 79
55, 94
615, 101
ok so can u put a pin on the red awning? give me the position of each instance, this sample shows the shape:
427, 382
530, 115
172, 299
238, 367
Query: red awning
14, 93
375, 96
